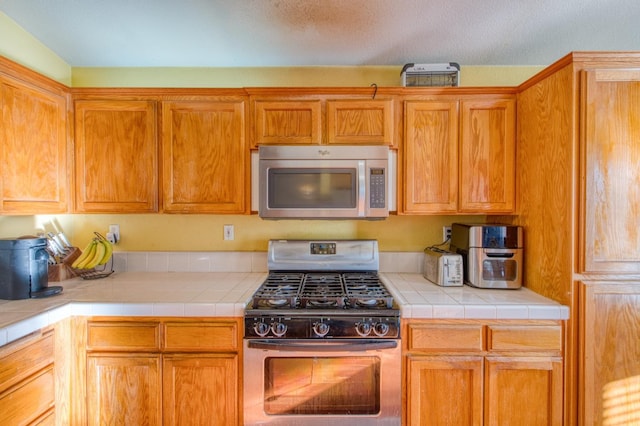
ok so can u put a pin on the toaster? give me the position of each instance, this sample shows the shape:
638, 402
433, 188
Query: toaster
442, 267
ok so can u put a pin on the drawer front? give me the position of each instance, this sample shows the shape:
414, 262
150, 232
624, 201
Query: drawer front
21, 363
525, 338
435, 337
123, 336
201, 336
28, 400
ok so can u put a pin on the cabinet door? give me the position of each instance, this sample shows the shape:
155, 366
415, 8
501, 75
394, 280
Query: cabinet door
523, 391
430, 158
367, 122
205, 157
124, 390
116, 156
213, 378
287, 122
611, 174
487, 156
609, 361
444, 390
33, 150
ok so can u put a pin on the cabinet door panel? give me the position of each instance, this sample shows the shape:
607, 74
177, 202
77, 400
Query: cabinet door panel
523, 391
612, 181
213, 378
116, 156
33, 150
287, 122
487, 156
27, 401
610, 360
431, 157
123, 390
444, 390
205, 157
360, 122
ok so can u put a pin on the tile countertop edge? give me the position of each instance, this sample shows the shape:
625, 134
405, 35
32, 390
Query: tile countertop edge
530, 306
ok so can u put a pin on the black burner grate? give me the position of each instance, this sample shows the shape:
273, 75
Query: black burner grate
322, 290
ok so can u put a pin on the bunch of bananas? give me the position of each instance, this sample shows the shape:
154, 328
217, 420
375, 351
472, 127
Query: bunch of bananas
97, 252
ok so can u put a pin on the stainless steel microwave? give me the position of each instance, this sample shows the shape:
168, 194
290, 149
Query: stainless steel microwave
323, 182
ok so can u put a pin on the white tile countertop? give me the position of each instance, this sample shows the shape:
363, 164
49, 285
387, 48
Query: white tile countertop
213, 294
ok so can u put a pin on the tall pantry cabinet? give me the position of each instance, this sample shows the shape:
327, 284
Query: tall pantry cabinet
578, 169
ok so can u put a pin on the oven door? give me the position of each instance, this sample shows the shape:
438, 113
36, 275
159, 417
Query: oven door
322, 382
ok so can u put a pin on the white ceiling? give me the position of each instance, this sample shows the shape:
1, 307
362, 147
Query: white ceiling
256, 33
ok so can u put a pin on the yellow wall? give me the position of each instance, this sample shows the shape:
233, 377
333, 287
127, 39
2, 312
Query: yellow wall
21, 47
383, 76
163, 232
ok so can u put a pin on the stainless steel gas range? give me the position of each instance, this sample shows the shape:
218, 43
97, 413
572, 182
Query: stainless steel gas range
321, 338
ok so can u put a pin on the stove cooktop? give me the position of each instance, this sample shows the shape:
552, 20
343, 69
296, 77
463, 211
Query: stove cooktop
321, 290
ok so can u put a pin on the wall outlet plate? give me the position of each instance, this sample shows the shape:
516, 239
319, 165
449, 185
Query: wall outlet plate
228, 232
446, 233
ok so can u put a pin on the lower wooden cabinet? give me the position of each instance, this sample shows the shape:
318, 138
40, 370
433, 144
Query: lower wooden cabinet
163, 371
123, 389
483, 373
200, 389
27, 381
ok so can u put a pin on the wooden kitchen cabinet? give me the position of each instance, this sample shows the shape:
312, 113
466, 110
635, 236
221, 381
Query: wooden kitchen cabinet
287, 122
308, 116
34, 144
205, 156
459, 156
610, 356
431, 157
611, 140
27, 381
201, 389
123, 389
361, 121
116, 156
171, 371
487, 156
578, 175
478, 373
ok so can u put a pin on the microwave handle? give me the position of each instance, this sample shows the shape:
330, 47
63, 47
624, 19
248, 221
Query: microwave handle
322, 346
362, 189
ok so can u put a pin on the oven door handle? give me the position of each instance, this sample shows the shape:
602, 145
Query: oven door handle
322, 346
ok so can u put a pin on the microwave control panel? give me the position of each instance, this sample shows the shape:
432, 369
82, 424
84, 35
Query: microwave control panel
377, 183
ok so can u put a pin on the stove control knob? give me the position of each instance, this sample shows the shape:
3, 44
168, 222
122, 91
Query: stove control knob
321, 329
261, 329
363, 328
380, 328
278, 329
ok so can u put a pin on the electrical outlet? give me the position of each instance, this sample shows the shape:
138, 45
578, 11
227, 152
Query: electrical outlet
114, 234
446, 233
228, 232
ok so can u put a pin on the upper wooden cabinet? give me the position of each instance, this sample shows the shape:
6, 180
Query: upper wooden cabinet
431, 157
287, 122
611, 159
487, 155
367, 121
316, 116
459, 156
116, 154
33, 149
205, 156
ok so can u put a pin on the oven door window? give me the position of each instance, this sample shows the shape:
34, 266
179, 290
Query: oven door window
291, 188
322, 385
